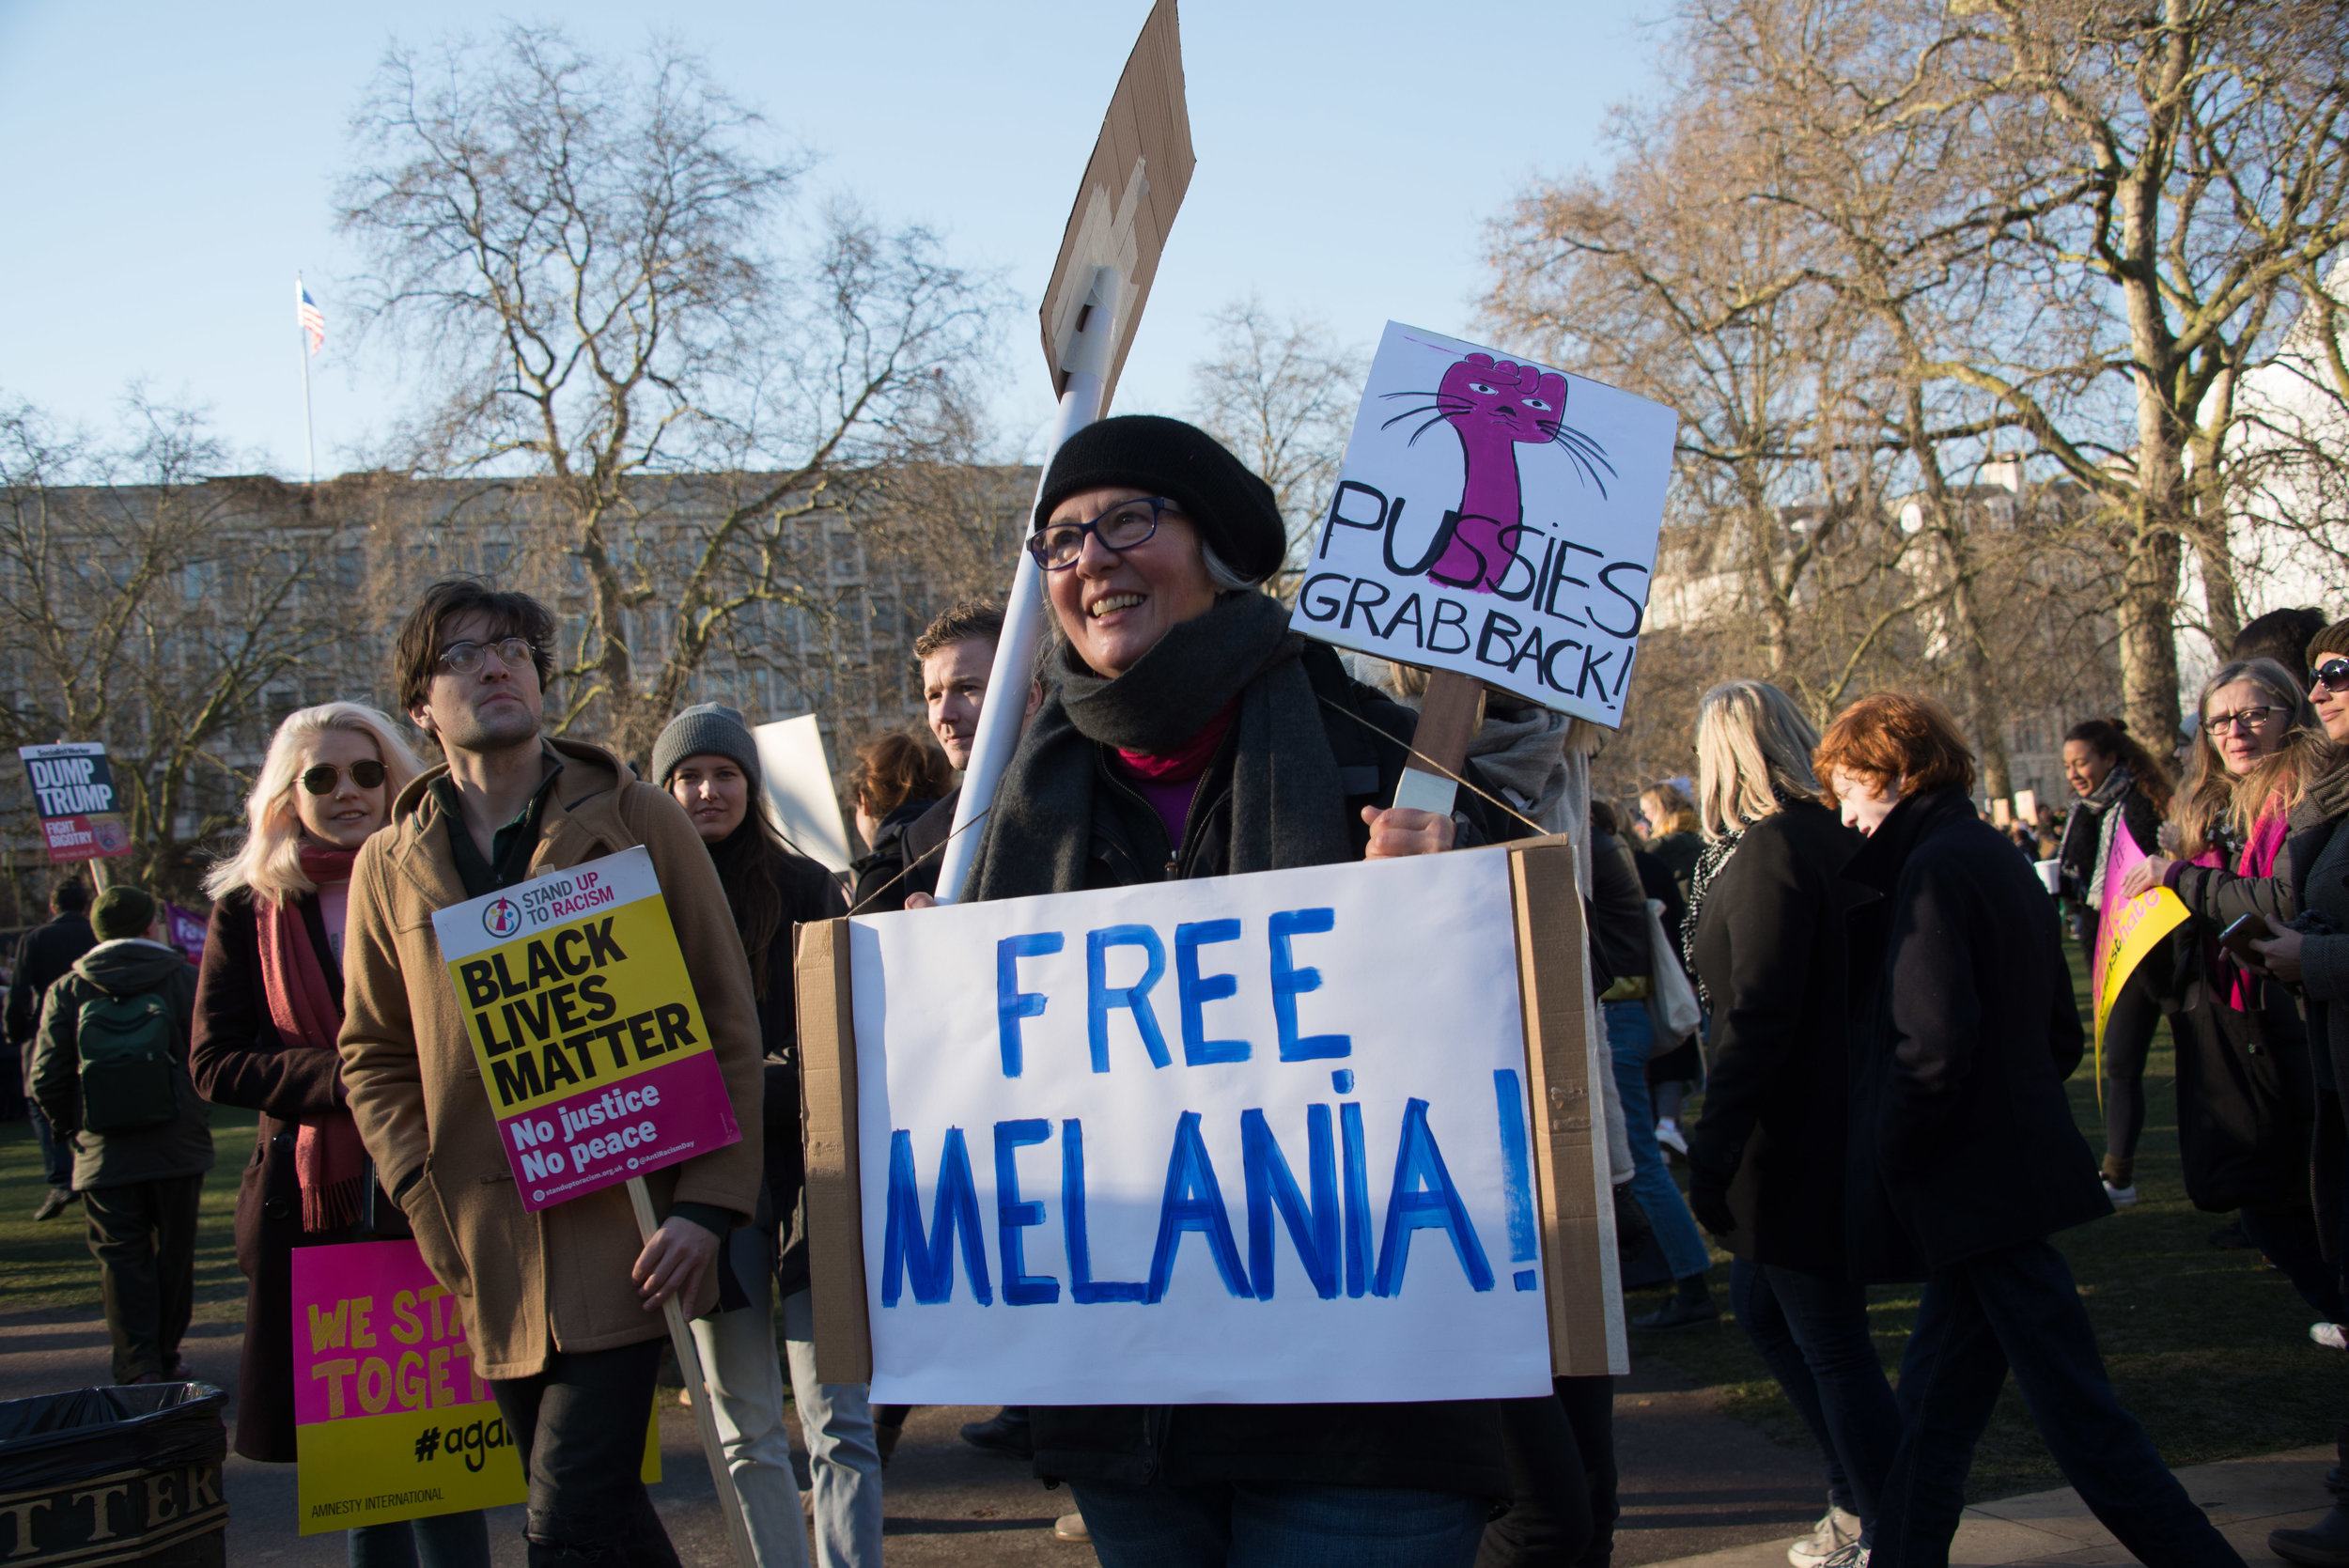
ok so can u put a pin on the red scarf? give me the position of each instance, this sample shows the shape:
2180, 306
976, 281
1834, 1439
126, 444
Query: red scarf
2258, 860
308, 1008
1187, 760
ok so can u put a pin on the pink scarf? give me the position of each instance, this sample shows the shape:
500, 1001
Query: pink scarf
2258, 860
330, 1161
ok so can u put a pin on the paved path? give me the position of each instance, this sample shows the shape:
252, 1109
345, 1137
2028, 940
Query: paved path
1696, 1486
2245, 1497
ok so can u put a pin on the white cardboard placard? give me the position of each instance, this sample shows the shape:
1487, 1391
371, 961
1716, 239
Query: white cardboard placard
795, 781
1495, 517
1244, 1138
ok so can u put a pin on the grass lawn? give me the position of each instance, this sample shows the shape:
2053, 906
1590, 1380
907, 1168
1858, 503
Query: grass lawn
2208, 1348
49, 1264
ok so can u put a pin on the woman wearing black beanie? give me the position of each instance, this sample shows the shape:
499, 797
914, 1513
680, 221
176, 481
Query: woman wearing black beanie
1190, 733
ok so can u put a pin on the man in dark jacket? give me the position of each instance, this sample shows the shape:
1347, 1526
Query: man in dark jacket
1964, 1154
110, 1071
43, 955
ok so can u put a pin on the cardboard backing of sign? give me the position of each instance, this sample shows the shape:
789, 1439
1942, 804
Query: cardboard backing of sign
1576, 1200
1134, 181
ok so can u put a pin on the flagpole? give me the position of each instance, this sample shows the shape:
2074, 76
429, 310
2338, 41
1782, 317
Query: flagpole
301, 347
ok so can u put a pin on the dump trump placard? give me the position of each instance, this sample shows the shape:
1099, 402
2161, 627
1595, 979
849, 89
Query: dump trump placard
592, 1047
74, 789
1495, 517
391, 1422
1241, 1139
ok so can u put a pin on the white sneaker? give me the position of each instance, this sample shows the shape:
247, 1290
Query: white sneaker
2122, 1197
1668, 1134
1070, 1527
2332, 1336
1837, 1530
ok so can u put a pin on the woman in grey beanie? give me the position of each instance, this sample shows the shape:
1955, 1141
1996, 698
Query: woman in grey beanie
708, 761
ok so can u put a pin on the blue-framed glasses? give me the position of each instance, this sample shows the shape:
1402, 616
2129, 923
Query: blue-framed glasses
1122, 527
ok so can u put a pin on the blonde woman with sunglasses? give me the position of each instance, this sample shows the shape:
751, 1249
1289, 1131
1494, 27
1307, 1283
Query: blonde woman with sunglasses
269, 1006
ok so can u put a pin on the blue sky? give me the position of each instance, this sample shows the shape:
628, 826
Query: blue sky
171, 167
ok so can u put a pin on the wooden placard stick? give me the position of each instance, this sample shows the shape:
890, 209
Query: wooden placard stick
688, 1362
1449, 718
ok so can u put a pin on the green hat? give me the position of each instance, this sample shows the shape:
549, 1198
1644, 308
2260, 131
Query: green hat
121, 912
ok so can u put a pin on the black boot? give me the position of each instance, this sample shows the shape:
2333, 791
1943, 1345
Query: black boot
1691, 1307
1005, 1433
2326, 1543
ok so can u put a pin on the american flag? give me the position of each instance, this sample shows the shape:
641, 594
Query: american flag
313, 321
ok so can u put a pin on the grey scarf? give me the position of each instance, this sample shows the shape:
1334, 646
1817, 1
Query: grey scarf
1286, 794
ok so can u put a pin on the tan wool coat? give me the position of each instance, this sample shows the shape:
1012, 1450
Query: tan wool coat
556, 1280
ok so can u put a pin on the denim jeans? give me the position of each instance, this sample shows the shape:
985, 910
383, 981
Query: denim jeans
844, 1457
1813, 1333
444, 1541
1263, 1524
745, 1373
578, 1430
1628, 1035
2018, 1308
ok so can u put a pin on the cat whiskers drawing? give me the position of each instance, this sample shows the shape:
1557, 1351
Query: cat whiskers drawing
1495, 408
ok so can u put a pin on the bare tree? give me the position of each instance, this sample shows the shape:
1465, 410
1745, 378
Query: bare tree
140, 608
584, 259
1281, 394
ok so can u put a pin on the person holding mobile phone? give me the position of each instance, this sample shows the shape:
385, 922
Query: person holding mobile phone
2247, 1084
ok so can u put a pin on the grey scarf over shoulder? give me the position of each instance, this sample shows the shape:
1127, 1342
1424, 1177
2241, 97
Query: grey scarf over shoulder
1287, 807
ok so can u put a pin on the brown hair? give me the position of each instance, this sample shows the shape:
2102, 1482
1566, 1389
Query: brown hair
1669, 809
891, 769
1890, 735
416, 656
2110, 739
748, 859
964, 620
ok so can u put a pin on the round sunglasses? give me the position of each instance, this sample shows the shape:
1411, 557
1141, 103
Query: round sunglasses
367, 773
2333, 675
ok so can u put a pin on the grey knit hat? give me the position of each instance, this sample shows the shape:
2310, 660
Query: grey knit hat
705, 728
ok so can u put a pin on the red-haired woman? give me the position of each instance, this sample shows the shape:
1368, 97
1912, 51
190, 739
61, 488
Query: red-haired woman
1964, 1029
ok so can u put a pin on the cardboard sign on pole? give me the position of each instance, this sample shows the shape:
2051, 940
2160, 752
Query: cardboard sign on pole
1235, 1140
1125, 202
591, 1045
390, 1421
1494, 517
795, 779
74, 789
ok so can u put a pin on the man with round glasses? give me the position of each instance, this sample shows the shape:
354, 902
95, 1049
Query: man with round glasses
563, 1308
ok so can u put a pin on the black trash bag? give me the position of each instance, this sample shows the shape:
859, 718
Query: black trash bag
118, 1475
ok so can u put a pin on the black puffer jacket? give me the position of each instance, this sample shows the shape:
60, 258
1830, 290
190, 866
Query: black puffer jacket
1448, 1446
880, 886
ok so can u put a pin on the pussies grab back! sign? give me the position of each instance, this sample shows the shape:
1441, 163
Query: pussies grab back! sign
583, 1019
1494, 517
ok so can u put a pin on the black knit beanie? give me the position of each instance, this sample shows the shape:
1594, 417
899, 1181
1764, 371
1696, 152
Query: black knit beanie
1233, 510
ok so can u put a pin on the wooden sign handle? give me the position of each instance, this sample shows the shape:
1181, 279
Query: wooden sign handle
1449, 717
688, 1362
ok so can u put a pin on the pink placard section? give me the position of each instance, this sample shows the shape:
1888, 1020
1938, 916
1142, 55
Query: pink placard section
374, 1333
601, 1137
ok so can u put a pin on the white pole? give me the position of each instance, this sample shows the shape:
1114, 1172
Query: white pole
301, 347
1087, 362
689, 1364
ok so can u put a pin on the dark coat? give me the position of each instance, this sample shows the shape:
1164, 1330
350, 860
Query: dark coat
1770, 948
43, 957
241, 1060
1447, 1446
810, 892
1964, 1030
879, 887
180, 1147
1618, 910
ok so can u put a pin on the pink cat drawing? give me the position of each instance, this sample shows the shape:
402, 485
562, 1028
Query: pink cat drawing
1495, 408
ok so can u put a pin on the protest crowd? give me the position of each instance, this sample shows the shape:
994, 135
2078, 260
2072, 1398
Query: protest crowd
1872, 1090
